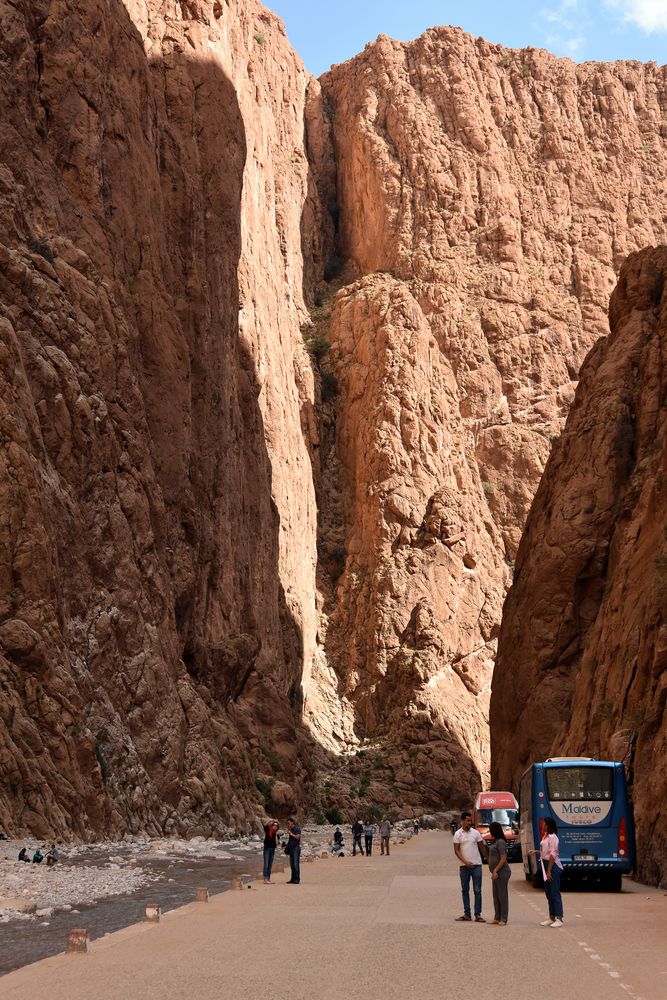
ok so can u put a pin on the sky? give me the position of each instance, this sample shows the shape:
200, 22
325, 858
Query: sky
603, 30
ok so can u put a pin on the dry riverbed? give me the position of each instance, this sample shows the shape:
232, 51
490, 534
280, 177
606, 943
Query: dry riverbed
87, 874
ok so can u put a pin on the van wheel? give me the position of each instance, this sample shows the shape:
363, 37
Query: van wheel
528, 877
538, 881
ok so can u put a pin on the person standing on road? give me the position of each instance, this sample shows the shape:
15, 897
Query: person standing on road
415, 826
385, 834
294, 849
500, 873
552, 870
467, 845
369, 833
357, 830
271, 827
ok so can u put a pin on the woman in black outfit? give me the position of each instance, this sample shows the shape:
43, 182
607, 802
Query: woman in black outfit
500, 874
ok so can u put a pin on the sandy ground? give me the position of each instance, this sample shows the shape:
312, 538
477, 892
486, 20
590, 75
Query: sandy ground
374, 928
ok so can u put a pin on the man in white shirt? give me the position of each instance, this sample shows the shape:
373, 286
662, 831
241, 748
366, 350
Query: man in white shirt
467, 845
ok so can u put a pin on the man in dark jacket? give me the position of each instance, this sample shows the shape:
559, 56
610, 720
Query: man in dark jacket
294, 847
357, 830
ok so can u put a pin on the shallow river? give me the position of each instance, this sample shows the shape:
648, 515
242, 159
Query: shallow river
23, 942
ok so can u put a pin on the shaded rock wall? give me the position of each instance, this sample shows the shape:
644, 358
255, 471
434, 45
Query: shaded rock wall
589, 675
486, 200
157, 532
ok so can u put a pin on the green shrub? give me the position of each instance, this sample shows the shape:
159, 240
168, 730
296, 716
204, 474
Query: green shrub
489, 488
102, 761
259, 38
317, 345
41, 247
333, 816
272, 757
329, 386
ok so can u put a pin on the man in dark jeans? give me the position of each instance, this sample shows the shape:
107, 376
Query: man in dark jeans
357, 830
294, 846
467, 845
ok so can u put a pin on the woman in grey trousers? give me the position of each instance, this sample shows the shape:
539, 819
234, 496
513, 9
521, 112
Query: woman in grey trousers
500, 874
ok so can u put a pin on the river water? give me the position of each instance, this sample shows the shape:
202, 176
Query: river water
175, 882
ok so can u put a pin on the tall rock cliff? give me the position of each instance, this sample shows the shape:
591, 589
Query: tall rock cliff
157, 524
589, 675
486, 198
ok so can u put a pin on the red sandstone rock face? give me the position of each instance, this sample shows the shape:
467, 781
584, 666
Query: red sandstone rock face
486, 199
213, 528
588, 675
157, 524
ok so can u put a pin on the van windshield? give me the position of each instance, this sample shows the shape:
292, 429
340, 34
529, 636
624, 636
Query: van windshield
506, 817
583, 783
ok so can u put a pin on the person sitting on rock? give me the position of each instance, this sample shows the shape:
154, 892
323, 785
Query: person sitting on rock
337, 843
37, 857
23, 855
52, 856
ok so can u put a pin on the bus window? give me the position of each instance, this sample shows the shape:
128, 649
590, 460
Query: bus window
584, 783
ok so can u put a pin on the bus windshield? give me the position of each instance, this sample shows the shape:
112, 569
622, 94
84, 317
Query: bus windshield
583, 783
506, 817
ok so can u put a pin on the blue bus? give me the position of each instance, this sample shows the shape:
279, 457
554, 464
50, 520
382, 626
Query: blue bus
589, 801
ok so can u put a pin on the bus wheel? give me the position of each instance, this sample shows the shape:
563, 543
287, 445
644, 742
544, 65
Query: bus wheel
538, 881
614, 882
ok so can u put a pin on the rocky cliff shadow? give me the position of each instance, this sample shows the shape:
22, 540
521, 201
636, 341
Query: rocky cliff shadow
168, 646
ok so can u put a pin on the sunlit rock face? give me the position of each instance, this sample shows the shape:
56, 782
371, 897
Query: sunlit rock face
281, 364
486, 198
588, 676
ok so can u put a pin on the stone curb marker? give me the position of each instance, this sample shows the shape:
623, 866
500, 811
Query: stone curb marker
153, 912
78, 941
202, 895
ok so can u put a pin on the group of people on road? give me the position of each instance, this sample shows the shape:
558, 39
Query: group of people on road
368, 831
468, 843
51, 856
291, 847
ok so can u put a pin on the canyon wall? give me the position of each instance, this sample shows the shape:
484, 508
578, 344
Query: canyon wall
589, 677
486, 199
157, 524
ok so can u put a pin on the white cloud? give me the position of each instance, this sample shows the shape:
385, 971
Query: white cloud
650, 15
565, 22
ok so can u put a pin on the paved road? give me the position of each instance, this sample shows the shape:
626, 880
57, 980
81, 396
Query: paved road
371, 929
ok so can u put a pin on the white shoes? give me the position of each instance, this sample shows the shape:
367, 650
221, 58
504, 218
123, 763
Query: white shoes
557, 923
546, 923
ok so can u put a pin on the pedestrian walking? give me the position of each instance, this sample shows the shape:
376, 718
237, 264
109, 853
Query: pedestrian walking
369, 833
385, 834
468, 843
552, 870
271, 827
415, 826
294, 850
500, 872
357, 831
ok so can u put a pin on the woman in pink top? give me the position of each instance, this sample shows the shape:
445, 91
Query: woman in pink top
552, 870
